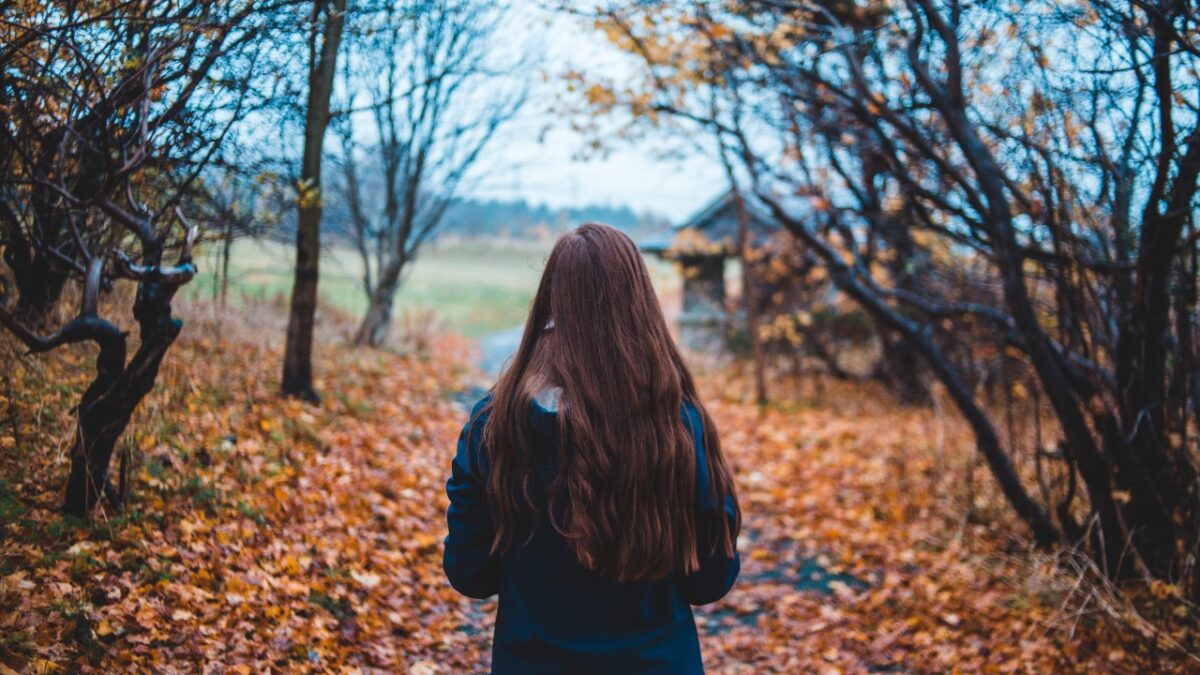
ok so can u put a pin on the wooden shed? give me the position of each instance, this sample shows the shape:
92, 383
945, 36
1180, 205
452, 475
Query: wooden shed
700, 246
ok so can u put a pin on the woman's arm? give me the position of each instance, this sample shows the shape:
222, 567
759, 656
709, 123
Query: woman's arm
717, 570
468, 561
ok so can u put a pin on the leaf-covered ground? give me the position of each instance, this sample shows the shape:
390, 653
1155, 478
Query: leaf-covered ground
263, 534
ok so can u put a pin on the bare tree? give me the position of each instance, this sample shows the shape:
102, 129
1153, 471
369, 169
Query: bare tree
111, 114
434, 103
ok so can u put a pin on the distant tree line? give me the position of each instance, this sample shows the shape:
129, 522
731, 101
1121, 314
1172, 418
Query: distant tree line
474, 218
481, 218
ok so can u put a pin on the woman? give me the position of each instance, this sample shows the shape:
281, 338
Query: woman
589, 489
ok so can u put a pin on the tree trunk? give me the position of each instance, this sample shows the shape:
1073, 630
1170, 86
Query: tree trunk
900, 363
750, 301
1159, 475
226, 252
375, 326
814, 344
373, 331
38, 284
297, 360
111, 399
108, 405
900, 368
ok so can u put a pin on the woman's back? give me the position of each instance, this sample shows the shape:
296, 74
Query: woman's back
555, 616
589, 489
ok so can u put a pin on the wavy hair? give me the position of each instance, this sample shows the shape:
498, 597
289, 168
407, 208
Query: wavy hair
624, 493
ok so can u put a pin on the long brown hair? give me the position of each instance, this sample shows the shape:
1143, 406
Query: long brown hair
624, 493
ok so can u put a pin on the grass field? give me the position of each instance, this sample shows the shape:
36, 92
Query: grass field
472, 287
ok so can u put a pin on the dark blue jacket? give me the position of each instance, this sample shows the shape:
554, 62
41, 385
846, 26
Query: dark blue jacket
554, 615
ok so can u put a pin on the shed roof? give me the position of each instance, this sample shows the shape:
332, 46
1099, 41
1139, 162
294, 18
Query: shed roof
716, 224
719, 218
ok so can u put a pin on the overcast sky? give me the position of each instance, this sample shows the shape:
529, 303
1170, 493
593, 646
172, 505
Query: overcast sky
546, 168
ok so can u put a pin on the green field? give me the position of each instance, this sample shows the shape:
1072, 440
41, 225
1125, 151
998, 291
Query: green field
473, 287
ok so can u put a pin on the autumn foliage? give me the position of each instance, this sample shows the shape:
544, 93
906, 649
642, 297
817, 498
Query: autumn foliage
1007, 190
262, 533
1001, 227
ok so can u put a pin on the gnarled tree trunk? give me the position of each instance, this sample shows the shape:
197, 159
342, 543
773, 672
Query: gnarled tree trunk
109, 403
119, 387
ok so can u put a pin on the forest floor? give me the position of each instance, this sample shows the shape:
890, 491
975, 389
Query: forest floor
263, 534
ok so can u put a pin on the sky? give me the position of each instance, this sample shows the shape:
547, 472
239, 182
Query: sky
547, 168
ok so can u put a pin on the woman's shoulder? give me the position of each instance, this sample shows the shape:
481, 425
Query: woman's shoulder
472, 432
543, 409
480, 411
482, 404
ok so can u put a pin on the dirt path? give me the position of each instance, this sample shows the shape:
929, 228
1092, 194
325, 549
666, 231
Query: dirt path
495, 349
